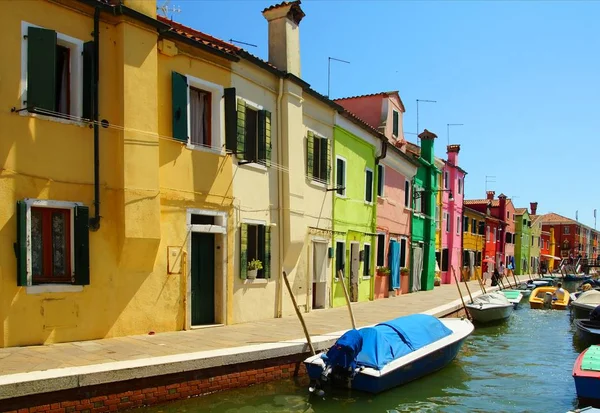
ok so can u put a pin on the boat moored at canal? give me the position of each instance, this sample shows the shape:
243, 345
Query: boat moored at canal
586, 373
541, 297
490, 307
389, 354
585, 303
513, 296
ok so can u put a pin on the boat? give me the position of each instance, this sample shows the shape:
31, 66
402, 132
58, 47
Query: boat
589, 409
513, 296
588, 331
490, 307
576, 277
542, 297
377, 358
585, 303
586, 373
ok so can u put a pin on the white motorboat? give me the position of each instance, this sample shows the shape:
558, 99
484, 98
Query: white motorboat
490, 307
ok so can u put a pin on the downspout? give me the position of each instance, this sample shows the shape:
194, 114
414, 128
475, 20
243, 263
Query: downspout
95, 220
383, 154
280, 198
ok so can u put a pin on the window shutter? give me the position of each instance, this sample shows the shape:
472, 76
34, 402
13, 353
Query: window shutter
395, 124
21, 244
310, 154
82, 245
244, 251
230, 119
180, 101
241, 129
264, 136
267, 263
41, 69
328, 161
88, 79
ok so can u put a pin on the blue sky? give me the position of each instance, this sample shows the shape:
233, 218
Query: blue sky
523, 78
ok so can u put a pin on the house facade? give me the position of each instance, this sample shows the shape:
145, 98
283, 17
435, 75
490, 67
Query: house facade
566, 233
473, 242
536, 244
523, 241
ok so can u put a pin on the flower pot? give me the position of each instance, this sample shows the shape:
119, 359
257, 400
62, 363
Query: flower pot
252, 274
404, 281
382, 283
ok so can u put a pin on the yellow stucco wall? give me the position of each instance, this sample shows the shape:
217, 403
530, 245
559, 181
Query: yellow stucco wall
473, 242
147, 184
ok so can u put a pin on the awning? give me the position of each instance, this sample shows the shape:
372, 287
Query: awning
552, 257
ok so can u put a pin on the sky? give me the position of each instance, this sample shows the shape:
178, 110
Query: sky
522, 77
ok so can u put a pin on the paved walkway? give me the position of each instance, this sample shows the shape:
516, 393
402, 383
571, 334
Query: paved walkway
320, 322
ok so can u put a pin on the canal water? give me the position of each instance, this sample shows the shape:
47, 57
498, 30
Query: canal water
522, 365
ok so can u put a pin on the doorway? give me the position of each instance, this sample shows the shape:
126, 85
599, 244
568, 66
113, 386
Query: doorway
203, 278
417, 268
319, 275
354, 270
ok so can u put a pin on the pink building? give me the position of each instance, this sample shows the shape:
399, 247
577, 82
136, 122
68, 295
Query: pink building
384, 111
453, 184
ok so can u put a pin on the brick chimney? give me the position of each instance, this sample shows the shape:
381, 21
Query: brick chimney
453, 151
284, 35
533, 207
490, 195
427, 140
502, 207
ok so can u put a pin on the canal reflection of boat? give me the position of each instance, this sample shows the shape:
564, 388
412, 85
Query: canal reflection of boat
541, 297
490, 307
513, 296
584, 303
390, 354
586, 373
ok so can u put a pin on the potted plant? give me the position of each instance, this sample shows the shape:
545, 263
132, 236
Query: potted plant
253, 267
404, 271
382, 271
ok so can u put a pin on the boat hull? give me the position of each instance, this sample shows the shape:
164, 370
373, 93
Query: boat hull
581, 310
488, 314
587, 333
587, 382
536, 299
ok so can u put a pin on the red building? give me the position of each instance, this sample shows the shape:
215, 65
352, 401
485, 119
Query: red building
567, 234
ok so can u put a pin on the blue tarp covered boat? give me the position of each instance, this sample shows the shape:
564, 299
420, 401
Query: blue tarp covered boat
389, 354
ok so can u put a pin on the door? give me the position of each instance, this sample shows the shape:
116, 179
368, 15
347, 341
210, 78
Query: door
354, 268
203, 278
417, 268
394, 259
319, 274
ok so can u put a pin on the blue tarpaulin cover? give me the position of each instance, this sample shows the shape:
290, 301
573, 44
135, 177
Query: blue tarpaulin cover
393, 339
344, 351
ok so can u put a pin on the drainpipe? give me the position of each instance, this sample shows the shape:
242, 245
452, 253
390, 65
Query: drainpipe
95, 221
280, 198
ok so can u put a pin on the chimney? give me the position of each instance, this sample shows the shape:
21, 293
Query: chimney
453, 151
533, 207
502, 207
284, 35
490, 195
427, 140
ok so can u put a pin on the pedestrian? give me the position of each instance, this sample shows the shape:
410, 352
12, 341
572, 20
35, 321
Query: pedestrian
501, 270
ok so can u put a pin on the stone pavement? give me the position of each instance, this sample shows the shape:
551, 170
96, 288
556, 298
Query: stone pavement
319, 322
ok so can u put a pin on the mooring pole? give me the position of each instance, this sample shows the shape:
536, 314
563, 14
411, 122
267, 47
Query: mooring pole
341, 275
299, 314
461, 296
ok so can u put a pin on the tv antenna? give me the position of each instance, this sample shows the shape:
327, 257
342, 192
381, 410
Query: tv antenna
165, 8
240, 42
488, 180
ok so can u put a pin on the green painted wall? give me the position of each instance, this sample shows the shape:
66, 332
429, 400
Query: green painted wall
522, 246
536, 233
351, 214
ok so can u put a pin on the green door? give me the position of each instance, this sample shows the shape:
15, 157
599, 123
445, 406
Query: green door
203, 278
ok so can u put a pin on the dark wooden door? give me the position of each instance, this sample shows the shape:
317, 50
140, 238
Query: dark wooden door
203, 278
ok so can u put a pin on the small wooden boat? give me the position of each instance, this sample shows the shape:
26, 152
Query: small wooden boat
585, 303
542, 297
513, 296
586, 373
390, 354
490, 307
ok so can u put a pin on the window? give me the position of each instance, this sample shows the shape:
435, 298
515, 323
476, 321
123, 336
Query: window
481, 228
495, 234
473, 226
446, 180
447, 221
381, 250
507, 214
532, 240
340, 257
487, 234
466, 256
340, 176
459, 186
56, 76
396, 124
407, 193
508, 237
320, 170
52, 243
368, 185
402, 252
566, 230
458, 225
524, 222
255, 245
367, 261
444, 259
478, 259
380, 179
247, 130
466, 224
196, 106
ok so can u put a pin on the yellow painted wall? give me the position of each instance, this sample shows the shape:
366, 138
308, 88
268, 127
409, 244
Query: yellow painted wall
474, 242
146, 185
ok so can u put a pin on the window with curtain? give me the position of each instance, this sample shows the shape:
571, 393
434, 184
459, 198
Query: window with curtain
200, 130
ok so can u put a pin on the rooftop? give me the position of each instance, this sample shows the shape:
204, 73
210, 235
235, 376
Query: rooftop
520, 211
495, 202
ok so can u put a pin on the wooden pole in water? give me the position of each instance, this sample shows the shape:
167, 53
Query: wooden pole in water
341, 275
299, 314
515, 277
481, 285
466, 284
461, 296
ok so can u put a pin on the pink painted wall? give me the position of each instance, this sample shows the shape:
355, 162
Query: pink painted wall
367, 108
392, 216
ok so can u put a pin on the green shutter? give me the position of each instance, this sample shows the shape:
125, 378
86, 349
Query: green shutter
41, 69
241, 129
244, 251
267, 263
230, 119
310, 154
262, 135
21, 244
88, 79
82, 246
267, 116
396, 124
328, 161
179, 98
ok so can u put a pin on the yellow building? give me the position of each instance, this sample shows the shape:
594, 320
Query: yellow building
473, 242
119, 249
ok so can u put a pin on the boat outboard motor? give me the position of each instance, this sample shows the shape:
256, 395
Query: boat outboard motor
547, 300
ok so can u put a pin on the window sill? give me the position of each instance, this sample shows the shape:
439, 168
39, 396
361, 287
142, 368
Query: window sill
368, 203
213, 149
366, 278
54, 119
256, 281
253, 165
318, 184
54, 288
340, 196
407, 209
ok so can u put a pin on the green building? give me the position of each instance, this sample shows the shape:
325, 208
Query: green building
523, 244
423, 219
355, 149
535, 244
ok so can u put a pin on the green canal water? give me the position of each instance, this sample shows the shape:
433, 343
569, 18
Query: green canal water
522, 365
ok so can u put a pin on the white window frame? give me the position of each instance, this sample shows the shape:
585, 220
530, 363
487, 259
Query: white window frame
395, 111
345, 175
566, 231
495, 235
385, 239
458, 225
217, 110
446, 180
367, 277
50, 287
407, 190
382, 178
406, 252
487, 234
367, 169
447, 221
75, 69
343, 242
460, 186
312, 179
